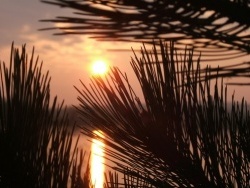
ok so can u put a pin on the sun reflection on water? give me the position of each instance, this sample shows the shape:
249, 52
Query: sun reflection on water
97, 161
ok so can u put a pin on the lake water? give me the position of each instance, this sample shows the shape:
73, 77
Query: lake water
96, 149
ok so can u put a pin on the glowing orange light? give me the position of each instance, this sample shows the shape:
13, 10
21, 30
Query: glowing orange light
97, 162
99, 67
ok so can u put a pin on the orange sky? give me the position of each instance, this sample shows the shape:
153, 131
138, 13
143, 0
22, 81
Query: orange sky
66, 57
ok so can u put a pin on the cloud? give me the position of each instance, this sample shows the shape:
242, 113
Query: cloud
68, 58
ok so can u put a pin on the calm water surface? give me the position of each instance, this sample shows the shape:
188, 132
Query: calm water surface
96, 148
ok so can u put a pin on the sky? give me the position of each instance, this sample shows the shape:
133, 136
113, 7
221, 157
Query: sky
67, 58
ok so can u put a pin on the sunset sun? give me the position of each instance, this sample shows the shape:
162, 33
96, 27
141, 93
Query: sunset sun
99, 67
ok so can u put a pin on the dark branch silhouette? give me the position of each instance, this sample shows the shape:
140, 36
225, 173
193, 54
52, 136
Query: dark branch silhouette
186, 135
36, 141
214, 28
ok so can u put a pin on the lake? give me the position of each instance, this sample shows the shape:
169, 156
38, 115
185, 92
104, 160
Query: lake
96, 148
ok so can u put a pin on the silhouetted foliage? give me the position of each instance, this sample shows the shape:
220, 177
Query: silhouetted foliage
36, 148
220, 30
184, 136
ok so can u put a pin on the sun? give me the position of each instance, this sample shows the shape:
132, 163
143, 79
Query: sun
99, 67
